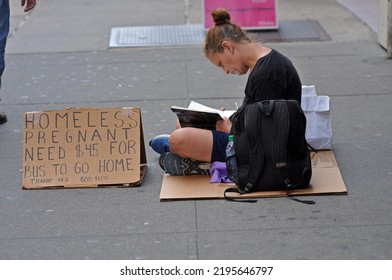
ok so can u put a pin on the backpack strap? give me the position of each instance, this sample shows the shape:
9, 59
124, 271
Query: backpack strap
256, 148
235, 190
282, 119
279, 156
266, 107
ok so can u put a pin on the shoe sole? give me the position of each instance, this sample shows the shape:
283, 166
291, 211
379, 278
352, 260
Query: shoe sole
178, 166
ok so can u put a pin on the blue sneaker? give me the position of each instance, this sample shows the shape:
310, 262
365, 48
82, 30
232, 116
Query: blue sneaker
179, 166
160, 143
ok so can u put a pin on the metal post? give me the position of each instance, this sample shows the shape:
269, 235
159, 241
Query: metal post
389, 39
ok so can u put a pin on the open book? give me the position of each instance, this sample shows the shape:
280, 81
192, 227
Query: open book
200, 116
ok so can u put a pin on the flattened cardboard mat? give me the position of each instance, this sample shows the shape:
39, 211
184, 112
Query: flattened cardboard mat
326, 179
85, 147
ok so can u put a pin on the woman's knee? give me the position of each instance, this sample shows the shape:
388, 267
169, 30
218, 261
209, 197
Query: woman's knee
178, 139
192, 143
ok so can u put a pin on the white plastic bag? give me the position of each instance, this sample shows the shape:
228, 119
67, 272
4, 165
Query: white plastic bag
318, 119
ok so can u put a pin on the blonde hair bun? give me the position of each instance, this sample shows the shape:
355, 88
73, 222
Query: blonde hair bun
221, 16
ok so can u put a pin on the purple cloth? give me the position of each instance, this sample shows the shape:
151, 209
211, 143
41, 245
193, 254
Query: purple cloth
218, 173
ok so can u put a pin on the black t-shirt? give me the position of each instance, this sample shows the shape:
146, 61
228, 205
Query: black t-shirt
273, 77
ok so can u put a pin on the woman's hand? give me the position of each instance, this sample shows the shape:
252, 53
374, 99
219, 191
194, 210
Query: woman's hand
223, 125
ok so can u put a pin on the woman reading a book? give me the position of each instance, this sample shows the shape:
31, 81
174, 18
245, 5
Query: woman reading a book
271, 76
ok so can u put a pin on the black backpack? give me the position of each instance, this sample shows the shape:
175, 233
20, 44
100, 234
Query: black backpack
270, 148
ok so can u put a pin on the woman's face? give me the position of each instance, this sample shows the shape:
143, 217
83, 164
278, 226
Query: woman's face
229, 60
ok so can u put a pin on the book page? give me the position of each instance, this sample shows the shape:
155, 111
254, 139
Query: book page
197, 106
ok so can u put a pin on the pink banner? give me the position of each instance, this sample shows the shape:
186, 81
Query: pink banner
249, 14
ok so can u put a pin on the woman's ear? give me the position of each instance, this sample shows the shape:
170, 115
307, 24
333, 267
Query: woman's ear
227, 45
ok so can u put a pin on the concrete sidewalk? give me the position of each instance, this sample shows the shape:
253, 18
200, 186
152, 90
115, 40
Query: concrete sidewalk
58, 57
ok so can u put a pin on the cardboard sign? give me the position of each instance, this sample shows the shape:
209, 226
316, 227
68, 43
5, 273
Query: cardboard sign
86, 147
249, 14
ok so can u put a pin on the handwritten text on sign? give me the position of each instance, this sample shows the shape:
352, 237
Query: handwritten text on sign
78, 147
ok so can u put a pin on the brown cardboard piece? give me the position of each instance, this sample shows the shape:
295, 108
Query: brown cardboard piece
326, 179
84, 147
